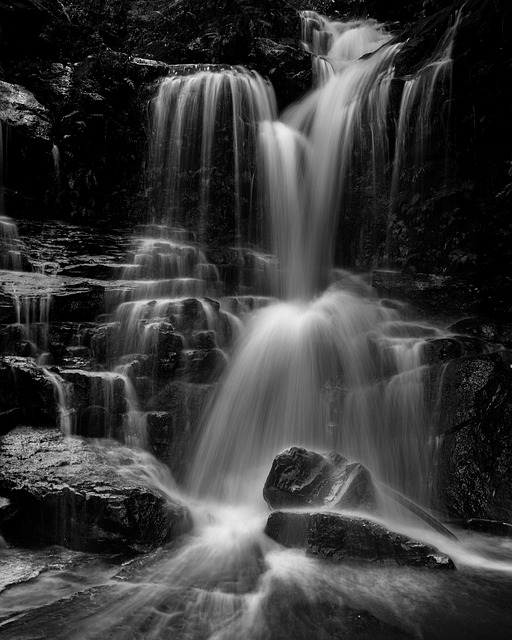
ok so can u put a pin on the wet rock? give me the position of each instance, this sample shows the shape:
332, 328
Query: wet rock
98, 401
496, 331
491, 527
203, 366
26, 391
336, 537
474, 406
433, 294
20, 110
203, 340
470, 389
103, 341
66, 299
441, 349
173, 424
65, 491
287, 66
299, 477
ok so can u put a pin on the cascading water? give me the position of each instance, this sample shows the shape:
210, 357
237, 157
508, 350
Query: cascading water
197, 120
333, 45
329, 368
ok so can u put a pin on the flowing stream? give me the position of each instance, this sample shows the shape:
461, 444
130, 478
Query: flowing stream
324, 365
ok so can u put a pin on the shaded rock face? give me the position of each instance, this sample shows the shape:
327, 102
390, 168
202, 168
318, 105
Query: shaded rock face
20, 110
173, 423
26, 393
336, 537
474, 408
305, 478
67, 492
27, 126
433, 294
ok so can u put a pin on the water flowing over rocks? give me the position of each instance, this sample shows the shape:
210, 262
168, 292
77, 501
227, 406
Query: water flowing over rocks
301, 478
337, 537
67, 492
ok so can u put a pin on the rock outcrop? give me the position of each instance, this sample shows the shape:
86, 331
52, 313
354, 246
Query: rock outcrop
337, 537
473, 397
65, 491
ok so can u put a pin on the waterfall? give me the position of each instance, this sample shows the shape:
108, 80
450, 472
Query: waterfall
333, 44
423, 107
329, 366
202, 122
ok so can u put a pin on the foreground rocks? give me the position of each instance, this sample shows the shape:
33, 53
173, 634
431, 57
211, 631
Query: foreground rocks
337, 537
78, 495
301, 478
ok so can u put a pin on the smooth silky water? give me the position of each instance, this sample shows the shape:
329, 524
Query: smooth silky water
326, 366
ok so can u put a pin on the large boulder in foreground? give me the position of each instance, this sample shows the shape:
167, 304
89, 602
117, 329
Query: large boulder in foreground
337, 537
302, 478
68, 492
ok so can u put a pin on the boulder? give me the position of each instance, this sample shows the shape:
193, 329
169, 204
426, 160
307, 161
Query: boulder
27, 392
469, 389
336, 537
20, 110
68, 492
301, 478
473, 401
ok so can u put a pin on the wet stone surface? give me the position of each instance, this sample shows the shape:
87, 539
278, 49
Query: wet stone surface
336, 537
302, 478
68, 492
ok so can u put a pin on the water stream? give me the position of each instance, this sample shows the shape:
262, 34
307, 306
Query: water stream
324, 365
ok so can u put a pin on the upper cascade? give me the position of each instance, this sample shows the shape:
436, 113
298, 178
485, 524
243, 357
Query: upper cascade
334, 44
203, 141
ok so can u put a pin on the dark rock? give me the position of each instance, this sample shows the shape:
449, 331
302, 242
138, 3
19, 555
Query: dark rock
203, 340
441, 349
474, 408
99, 402
203, 366
336, 537
304, 478
67, 492
66, 299
26, 390
20, 110
173, 424
103, 341
287, 66
496, 331
491, 527
433, 294
468, 389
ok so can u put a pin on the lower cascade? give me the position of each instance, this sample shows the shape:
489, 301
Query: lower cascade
250, 446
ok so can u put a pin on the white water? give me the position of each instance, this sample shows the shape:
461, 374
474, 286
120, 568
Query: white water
325, 368
194, 118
